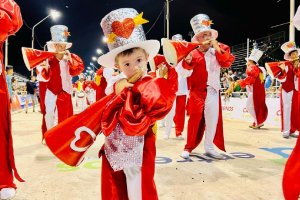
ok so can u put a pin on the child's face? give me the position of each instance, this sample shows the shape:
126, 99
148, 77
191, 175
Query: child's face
294, 55
60, 47
249, 63
129, 64
204, 36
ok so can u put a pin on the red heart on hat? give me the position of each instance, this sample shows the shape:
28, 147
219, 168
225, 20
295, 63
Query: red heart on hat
124, 28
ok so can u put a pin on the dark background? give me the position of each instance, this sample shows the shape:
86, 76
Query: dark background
236, 20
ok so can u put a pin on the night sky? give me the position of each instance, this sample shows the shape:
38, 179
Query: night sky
234, 21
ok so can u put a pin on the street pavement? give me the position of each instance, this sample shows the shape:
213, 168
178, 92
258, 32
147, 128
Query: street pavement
252, 170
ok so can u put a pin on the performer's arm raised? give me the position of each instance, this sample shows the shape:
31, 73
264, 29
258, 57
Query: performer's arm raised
252, 74
224, 56
76, 65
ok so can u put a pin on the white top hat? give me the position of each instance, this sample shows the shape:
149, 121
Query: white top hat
255, 55
288, 47
59, 34
123, 30
177, 37
201, 23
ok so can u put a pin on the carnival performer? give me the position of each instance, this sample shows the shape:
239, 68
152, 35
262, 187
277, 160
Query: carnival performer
58, 74
80, 96
89, 87
204, 105
177, 113
128, 114
289, 90
290, 74
255, 85
11, 22
100, 84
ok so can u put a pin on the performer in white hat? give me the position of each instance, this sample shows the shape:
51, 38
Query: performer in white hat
62, 67
204, 105
80, 96
128, 113
10, 23
289, 90
89, 87
254, 82
177, 112
130, 52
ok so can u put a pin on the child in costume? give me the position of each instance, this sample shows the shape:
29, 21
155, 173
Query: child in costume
204, 104
126, 116
255, 85
177, 113
289, 90
58, 75
89, 87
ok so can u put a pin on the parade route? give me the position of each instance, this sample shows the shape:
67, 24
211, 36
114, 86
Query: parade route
252, 170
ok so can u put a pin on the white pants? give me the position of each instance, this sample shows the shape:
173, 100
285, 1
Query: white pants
134, 182
250, 106
51, 111
211, 114
287, 98
169, 119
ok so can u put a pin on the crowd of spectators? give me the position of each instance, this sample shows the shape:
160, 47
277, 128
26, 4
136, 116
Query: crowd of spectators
25, 89
229, 80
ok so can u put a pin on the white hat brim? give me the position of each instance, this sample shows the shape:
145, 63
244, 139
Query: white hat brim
214, 33
50, 45
286, 55
150, 46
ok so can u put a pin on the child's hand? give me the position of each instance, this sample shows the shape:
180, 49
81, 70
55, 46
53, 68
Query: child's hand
163, 70
67, 56
121, 84
136, 76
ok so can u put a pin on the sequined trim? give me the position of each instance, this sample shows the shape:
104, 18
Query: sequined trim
123, 151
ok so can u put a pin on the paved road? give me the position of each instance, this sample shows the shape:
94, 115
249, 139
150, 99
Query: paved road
253, 169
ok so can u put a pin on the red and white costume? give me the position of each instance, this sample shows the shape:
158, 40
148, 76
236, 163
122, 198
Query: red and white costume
289, 100
58, 102
126, 119
133, 112
204, 106
256, 102
177, 113
80, 96
289, 91
112, 179
290, 184
100, 84
89, 87
11, 22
